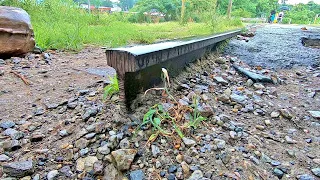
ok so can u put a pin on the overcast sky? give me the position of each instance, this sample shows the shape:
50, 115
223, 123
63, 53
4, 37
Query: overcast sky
301, 1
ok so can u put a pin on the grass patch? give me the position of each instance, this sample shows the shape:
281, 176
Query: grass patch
62, 25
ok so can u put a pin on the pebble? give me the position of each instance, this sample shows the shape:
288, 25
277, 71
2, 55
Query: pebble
172, 169
105, 150
233, 134
220, 80
261, 128
7, 124
286, 113
179, 158
315, 114
196, 175
316, 171
90, 112
158, 164
19, 169
98, 168
278, 173
124, 143
63, 133
305, 177
275, 114
275, 163
267, 122
155, 150
188, 142
172, 177
258, 86
220, 143
136, 175
4, 158
66, 170
124, 158
52, 175
289, 140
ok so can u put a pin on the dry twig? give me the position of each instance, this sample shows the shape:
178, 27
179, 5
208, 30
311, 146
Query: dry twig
21, 77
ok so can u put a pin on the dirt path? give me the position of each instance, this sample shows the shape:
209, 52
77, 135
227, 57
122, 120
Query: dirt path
278, 46
59, 128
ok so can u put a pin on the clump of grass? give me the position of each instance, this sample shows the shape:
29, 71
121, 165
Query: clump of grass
174, 117
112, 88
62, 25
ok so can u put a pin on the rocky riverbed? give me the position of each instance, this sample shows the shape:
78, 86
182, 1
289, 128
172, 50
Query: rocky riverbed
58, 127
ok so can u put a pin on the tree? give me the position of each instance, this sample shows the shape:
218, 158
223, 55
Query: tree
126, 4
183, 9
229, 8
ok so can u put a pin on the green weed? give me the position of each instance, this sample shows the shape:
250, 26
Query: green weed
112, 88
157, 116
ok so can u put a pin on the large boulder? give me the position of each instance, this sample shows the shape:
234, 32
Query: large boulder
16, 33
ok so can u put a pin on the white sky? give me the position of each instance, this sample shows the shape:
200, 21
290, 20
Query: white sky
301, 1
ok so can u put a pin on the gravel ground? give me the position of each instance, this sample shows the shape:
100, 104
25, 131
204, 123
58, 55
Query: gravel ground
277, 46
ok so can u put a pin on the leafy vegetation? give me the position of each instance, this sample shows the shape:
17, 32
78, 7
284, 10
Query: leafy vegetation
61, 24
112, 88
157, 116
303, 14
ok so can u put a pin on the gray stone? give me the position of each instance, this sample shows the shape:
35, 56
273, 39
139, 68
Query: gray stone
66, 170
104, 150
238, 98
275, 163
124, 158
81, 143
188, 142
278, 173
258, 86
10, 132
315, 114
124, 143
220, 143
136, 175
220, 80
286, 113
90, 112
39, 111
98, 168
111, 173
196, 175
305, 177
63, 133
90, 135
7, 124
53, 175
84, 151
4, 158
155, 150
19, 169
205, 110
289, 140
316, 171
51, 105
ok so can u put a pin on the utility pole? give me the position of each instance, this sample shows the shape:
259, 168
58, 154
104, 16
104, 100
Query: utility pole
89, 6
229, 9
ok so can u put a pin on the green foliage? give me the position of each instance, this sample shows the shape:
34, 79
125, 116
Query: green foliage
61, 24
302, 13
112, 88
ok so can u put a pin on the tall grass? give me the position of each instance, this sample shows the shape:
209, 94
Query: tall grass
60, 24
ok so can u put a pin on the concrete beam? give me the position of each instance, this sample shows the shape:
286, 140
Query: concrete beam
139, 67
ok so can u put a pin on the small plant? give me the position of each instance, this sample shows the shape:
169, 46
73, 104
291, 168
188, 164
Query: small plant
174, 117
112, 88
